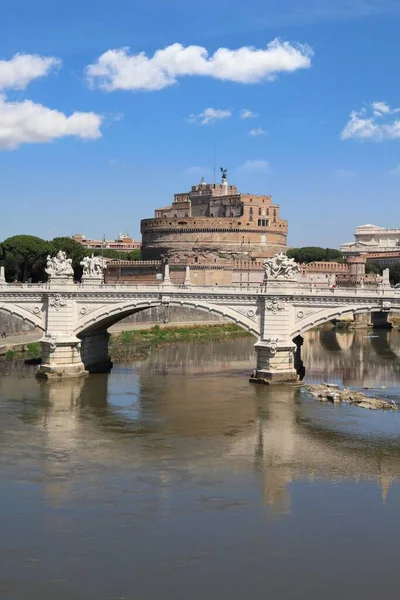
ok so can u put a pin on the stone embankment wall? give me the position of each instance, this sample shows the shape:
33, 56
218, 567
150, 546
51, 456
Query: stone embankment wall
13, 325
173, 314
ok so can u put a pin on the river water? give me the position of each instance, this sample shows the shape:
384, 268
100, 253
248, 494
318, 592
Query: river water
176, 478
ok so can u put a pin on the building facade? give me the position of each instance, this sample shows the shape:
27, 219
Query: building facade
124, 243
371, 239
215, 222
241, 274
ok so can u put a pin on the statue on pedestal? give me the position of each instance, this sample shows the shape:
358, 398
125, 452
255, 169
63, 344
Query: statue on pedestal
93, 267
59, 266
224, 175
281, 267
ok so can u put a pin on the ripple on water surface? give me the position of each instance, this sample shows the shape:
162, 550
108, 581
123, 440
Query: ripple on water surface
174, 477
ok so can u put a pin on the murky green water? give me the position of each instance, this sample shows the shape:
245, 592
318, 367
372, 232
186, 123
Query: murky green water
175, 478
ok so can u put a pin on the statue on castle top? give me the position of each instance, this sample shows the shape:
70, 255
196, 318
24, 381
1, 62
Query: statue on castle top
93, 266
224, 175
59, 265
281, 267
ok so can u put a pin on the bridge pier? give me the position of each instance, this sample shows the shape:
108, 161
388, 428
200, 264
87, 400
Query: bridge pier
61, 358
380, 320
275, 362
94, 352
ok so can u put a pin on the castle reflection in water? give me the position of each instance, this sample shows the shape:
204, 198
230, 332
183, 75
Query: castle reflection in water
187, 413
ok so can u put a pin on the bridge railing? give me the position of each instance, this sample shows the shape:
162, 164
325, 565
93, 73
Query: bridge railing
278, 288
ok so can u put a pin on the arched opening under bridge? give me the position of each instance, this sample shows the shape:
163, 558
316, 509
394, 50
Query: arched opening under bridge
94, 331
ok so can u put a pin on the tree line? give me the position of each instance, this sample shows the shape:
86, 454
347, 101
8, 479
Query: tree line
308, 254
24, 256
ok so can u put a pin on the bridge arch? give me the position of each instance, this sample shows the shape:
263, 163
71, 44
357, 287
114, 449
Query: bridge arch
320, 317
22, 313
105, 316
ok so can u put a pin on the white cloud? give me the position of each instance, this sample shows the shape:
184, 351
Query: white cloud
210, 115
380, 108
197, 171
18, 72
26, 123
257, 131
245, 113
119, 70
252, 166
378, 126
395, 171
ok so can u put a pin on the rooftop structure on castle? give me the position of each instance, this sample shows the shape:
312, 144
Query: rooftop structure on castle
213, 222
371, 239
124, 243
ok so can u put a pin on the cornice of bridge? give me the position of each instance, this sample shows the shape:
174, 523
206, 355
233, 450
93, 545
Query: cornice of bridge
288, 294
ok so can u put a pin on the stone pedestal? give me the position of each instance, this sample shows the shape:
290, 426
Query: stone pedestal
187, 281
60, 280
167, 277
61, 358
362, 320
275, 362
92, 280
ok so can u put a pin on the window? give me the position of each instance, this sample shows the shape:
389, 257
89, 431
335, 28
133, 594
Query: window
251, 210
251, 218
259, 212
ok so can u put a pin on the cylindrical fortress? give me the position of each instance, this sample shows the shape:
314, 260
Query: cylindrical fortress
215, 222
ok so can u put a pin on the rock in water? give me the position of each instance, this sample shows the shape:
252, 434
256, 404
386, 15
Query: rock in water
329, 392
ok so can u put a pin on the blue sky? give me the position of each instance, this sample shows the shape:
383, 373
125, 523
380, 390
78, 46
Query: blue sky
318, 86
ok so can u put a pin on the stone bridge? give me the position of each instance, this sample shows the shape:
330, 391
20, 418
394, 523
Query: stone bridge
75, 318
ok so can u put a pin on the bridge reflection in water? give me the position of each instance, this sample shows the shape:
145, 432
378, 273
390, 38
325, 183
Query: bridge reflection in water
188, 414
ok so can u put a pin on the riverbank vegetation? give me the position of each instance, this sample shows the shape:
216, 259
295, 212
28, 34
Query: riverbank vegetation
30, 352
138, 343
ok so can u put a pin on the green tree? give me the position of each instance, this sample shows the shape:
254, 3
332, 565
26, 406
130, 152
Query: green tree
134, 255
73, 250
372, 268
117, 255
394, 273
309, 254
24, 258
108, 253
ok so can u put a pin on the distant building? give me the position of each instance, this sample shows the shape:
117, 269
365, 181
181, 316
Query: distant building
214, 222
371, 239
124, 243
237, 273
